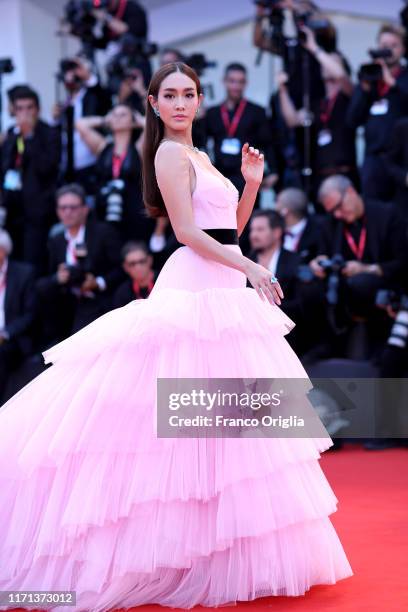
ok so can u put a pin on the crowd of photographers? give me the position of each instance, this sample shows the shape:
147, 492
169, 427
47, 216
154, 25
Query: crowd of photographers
75, 240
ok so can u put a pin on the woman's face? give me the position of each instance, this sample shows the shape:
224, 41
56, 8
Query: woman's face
177, 101
121, 119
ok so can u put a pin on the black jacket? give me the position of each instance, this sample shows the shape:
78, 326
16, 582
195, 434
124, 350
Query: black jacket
386, 242
20, 304
308, 245
40, 163
378, 128
396, 160
253, 128
286, 272
103, 257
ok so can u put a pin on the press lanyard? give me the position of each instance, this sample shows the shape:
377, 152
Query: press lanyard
231, 126
136, 287
382, 87
117, 163
326, 113
20, 151
357, 250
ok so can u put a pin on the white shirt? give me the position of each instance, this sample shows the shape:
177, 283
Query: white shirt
70, 260
273, 263
291, 242
3, 272
72, 242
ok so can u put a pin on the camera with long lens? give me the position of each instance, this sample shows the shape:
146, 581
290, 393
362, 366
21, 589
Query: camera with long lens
372, 72
77, 271
78, 14
399, 304
112, 201
333, 268
68, 65
199, 63
132, 54
322, 28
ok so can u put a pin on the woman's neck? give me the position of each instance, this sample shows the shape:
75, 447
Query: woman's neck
178, 136
121, 142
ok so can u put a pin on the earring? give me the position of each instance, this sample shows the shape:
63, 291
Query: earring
197, 110
156, 111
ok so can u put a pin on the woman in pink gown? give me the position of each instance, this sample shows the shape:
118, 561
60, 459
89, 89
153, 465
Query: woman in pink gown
92, 500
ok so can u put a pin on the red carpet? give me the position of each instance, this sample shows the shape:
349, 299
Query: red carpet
372, 522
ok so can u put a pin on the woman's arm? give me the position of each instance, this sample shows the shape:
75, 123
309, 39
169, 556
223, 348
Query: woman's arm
86, 128
173, 176
252, 169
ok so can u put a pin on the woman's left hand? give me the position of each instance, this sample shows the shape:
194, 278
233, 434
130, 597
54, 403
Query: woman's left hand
252, 166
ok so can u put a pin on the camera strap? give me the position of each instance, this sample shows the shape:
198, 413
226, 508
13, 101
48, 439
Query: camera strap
121, 9
231, 126
357, 250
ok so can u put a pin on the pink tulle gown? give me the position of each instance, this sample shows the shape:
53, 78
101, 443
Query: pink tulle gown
93, 501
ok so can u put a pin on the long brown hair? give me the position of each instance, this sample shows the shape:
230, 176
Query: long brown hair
154, 132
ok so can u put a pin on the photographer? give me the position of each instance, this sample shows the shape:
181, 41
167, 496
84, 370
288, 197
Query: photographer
293, 49
123, 19
367, 240
378, 102
137, 262
30, 158
85, 97
118, 171
333, 149
84, 268
132, 90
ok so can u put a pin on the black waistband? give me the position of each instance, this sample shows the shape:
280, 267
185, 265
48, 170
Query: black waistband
224, 236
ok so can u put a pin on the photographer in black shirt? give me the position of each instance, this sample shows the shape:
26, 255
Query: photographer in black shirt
378, 102
363, 249
333, 149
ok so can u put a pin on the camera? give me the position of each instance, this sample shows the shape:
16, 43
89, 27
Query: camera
199, 63
133, 54
112, 200
399, 304
373, 72
77, 272
68, 65
333, 267
6, 66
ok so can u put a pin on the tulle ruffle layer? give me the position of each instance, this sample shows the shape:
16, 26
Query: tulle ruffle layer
210, 315
93, 501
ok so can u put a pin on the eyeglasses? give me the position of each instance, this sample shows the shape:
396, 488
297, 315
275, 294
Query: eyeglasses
338, 205
70, 207
136, 262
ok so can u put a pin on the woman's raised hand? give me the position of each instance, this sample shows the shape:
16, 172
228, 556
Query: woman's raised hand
252, 166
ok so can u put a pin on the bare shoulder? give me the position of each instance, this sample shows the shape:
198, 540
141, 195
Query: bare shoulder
170, 156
